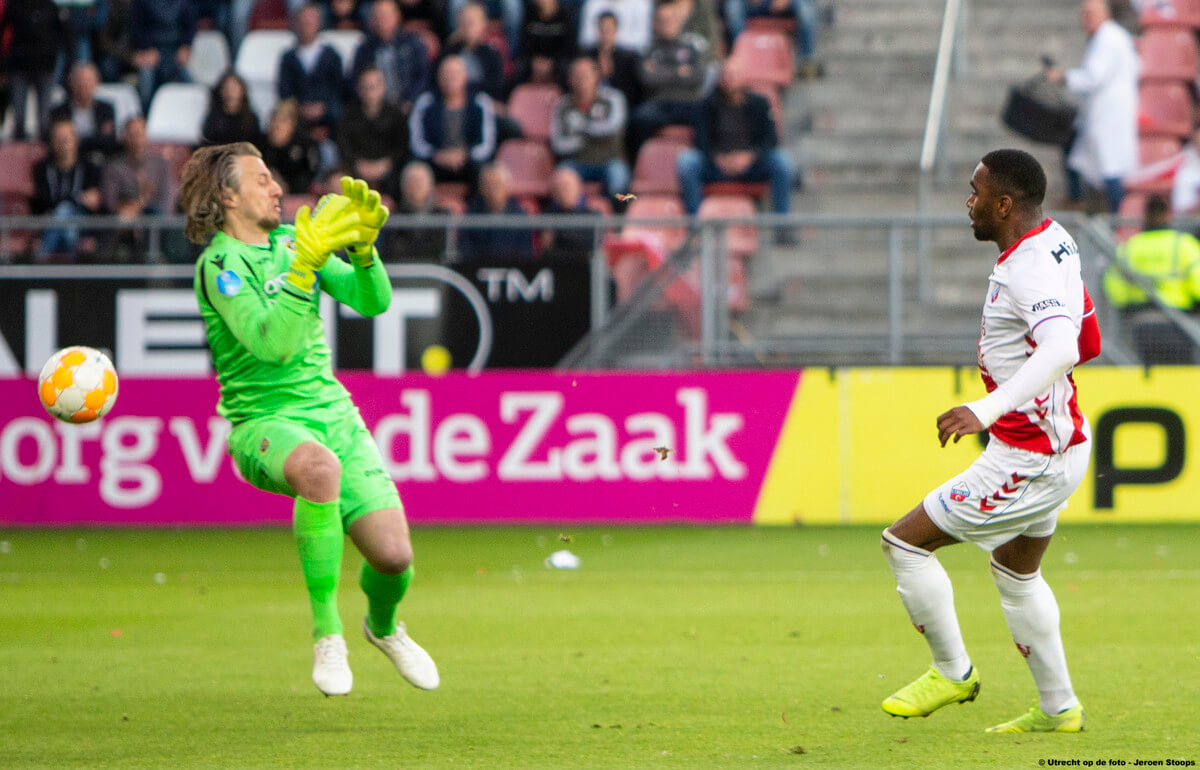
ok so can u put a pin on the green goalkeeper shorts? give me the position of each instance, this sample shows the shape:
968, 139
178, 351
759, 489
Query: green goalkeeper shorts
261, 446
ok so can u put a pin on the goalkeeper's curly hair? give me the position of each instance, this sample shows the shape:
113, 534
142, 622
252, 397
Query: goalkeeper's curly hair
209, 172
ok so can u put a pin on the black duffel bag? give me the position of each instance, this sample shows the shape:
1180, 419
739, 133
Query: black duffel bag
1041, 111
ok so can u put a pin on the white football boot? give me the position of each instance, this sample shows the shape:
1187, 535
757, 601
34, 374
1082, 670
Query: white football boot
413, 663
331, 666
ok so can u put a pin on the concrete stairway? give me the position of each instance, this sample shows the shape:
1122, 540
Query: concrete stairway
868, 115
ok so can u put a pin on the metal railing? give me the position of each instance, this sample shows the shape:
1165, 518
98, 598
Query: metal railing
892, 307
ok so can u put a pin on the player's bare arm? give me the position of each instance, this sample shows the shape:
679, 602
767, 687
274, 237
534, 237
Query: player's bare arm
958, 422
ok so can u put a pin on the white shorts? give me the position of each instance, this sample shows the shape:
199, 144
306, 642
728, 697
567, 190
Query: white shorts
1007, 492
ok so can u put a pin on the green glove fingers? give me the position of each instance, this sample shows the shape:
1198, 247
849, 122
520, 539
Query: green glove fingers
372, 215
332, 227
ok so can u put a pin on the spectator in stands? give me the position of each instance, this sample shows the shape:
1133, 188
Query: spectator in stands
161, 33
409, 242
1164, 262
399, 55
372, 136
510, 13
230, 117
736, 140
1105, 147
502, 244
311, 73
485, 68
343, 14
700, 19
66, 184
138, 183
672, 76
802, 12
288, 150
453, 129
635, 29
114, 47
1185, 190
37, 39
618, 65
547, 43
82, 19
94, 119
587, 128
566, 197
431, 13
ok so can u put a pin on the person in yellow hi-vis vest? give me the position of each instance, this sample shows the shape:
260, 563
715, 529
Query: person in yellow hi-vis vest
1167, 263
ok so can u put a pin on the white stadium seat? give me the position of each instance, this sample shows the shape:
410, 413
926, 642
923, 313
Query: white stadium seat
345, 42
260, 52
210, 57
125, 102
177, 113
263, 98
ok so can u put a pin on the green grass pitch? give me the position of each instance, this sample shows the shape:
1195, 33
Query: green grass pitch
669, 647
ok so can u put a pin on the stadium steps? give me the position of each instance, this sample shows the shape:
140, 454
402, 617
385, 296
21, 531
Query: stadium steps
867, 119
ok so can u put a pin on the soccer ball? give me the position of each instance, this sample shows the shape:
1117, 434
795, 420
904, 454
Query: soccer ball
78, 384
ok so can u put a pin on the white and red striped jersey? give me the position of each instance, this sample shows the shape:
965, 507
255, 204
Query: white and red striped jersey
1035, 279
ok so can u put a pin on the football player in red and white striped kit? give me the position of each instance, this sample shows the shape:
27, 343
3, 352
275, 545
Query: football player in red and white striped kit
1038, 324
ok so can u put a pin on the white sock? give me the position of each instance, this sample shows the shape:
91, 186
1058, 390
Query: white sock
1032, 614
925, 589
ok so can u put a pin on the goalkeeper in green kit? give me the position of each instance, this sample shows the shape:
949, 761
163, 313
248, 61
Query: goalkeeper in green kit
295, 430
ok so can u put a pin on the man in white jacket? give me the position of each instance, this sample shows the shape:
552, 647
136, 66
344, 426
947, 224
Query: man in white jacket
1105, 147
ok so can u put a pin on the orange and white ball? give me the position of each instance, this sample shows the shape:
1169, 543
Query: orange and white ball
78, 384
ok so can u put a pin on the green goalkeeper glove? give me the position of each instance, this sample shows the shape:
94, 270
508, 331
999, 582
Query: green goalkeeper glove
333, 226
372, 215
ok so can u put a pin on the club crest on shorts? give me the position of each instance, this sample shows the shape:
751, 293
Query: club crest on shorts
959, 492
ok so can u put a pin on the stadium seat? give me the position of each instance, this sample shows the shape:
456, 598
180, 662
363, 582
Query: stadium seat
684, 135
755, 190
292, 203
345, 42
784, 24
269, 14
1168, 54
433, 45
531, 105
452, 195
210, 57
1170, 13
1159, 158
598, 203
766, 56
15, 243
17, 160
494, 36
259, 55
671, 237
177, 113
1165, 108
125, 102
655, 171
740, 240
531, 165
1133, 208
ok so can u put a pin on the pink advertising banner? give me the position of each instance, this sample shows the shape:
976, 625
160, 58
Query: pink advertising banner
496, 448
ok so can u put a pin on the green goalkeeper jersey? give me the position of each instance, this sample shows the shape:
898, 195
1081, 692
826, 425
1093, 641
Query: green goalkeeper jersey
266, 335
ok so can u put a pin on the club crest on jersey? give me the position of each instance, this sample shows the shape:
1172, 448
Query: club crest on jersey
959, 492
229, 283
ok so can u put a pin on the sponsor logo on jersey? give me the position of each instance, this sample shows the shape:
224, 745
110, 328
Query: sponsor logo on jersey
959, 492
229, 283
1046, 304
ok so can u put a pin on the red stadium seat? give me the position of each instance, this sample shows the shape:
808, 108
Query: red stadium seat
15, 243
684, 135
531, 105
655, 171
755, 190
269, 14
531, 165
1156, 170
1165, 108
783, 24
1170, 13
741, 240
1152, 149
1133, 207
766, 56
671, 237
1168, 54
16, 168
598, 203
494, 36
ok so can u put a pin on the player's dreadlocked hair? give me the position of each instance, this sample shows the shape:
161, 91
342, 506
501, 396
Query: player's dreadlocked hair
1017, 173
207, 174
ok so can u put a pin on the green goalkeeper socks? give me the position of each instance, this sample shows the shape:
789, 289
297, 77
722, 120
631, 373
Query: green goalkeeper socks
384, 593
318, 530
